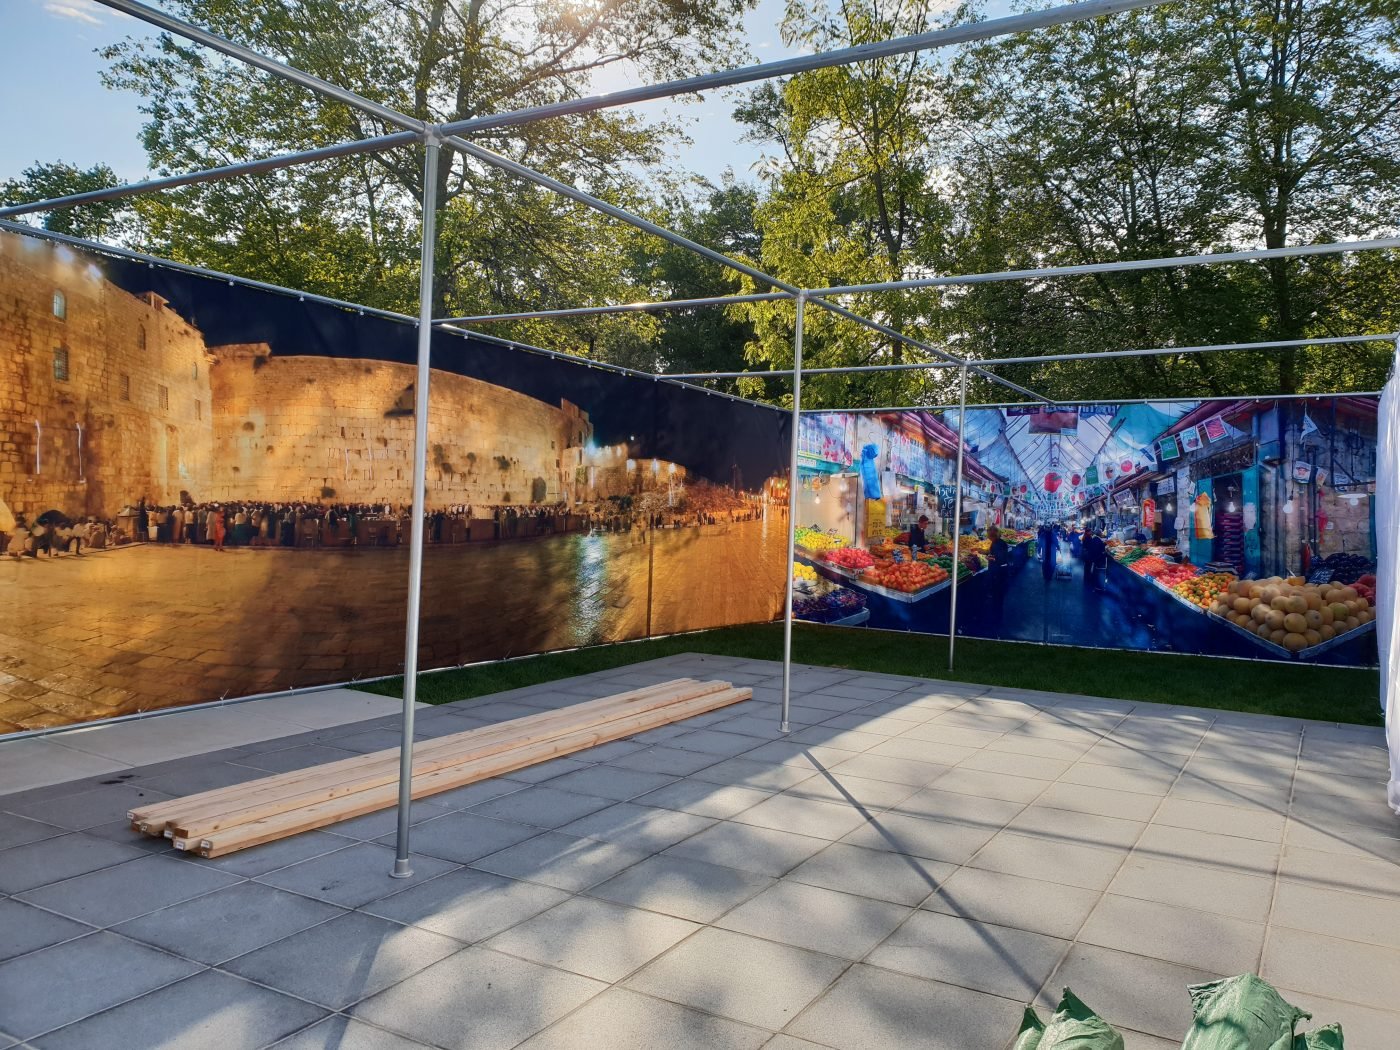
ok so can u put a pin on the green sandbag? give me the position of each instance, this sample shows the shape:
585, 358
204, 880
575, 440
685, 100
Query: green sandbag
1241, 1013
1325, 1038
1072, 1027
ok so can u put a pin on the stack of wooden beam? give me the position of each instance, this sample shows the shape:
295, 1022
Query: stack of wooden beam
214, 823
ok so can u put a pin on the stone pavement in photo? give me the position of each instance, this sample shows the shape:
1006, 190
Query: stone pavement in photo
908, 867
150, 626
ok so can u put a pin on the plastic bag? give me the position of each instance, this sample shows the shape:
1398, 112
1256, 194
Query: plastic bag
1328, 1037
1073, 1026
1241, 1013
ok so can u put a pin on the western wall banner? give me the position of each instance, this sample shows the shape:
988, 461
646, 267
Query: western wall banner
1240, 528
205, 493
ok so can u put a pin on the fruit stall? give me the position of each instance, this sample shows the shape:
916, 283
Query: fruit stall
1215, 612
818, 600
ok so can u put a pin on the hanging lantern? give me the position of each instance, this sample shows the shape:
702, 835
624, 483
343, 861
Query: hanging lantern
1052, 482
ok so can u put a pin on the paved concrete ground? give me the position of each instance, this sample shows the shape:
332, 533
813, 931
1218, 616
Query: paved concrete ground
912, 864
138, 628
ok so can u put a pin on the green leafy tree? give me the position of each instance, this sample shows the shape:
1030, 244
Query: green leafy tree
40, 182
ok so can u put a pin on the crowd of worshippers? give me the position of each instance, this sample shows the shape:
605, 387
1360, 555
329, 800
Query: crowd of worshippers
267, 524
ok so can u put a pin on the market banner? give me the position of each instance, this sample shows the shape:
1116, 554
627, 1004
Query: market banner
215, 482
1098, 549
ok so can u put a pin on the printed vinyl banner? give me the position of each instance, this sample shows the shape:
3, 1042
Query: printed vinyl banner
205, 489
1231, 528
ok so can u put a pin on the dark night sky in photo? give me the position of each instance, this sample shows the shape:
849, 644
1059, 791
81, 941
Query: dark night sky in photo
709, 435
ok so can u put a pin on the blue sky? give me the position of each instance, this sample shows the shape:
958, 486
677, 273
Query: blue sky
70, 116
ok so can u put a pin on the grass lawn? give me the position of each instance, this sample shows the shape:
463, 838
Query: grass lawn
1331, 694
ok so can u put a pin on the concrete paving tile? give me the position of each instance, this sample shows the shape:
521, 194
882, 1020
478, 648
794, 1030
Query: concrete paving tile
28, 929
1363, 1026
1129, 991
715, 742
639, 1022
1262, 776
896, 770
193, 776
748, 848
1115, 778
1087, 867
1351, 916
1002, 786
562, 861
883, 875
541, 807
259, 860
95, 972
1222, 793
1331, 967
1247, 856
757, 725
463, 837
805, 816
345, 1033
1010, 900
790, 1042
861, 792
353, 876
17, 831
208, 1009
832, 736
957, 736
908, 747
822, 920
611, 782
1022, 742
1085, 829
63, 857
690, 889
467, 905
1354, 874
764, 776
672, 761
959, 808
880, 725
287, 759
39, 762
703, 798
1350, 840
646, 828
541, 772
1181, 935
953, 950
817, 757
1142, 757
1012, 764
478, 1000
1219, 820
1326, 810
595, 938
744, 978
90, 808
1208, 888
228, 922
930, 839
112, 895
119, 831
873, 1009
370, 826
475, 794
344, 960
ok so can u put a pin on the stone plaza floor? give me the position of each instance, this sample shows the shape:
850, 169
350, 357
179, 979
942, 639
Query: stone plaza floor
912, 864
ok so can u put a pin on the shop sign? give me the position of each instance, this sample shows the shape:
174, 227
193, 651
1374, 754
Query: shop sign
1230, 461
1215, 429
1166, 486
1191, 440
1169, 448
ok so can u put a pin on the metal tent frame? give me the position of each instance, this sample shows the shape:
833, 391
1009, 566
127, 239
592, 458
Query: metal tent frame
412, 131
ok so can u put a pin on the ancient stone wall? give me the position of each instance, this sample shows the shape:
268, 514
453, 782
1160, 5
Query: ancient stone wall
118, 386
308, 428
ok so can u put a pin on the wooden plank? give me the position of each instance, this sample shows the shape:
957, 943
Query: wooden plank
473, 744
321, 814
385, 764
152, 818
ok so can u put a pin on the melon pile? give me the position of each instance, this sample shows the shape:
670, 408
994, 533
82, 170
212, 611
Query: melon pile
1292, 613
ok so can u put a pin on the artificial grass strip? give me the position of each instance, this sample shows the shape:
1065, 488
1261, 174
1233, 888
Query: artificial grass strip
1331, 694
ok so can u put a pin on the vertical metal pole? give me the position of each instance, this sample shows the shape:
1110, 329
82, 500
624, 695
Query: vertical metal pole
420, 485
957, 516
792, 509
